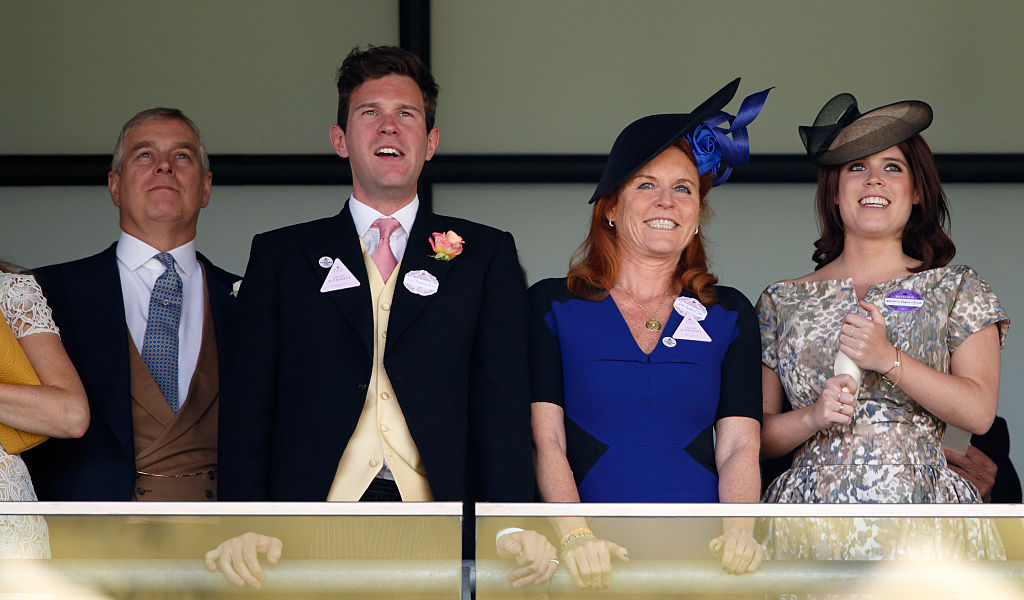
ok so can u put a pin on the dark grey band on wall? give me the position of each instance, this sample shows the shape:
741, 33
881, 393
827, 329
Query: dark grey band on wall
328, 169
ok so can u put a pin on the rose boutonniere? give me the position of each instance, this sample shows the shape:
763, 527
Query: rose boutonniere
235, 287
704, 143
446, 246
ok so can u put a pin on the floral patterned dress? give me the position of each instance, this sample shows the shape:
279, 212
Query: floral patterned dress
891, 452
22, 536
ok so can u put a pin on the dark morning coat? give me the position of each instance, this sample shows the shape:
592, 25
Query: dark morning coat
87, 304
456, 360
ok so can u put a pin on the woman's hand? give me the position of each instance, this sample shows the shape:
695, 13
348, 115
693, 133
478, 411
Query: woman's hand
835, 404
865, 341
533, 553
589, 561
739, 551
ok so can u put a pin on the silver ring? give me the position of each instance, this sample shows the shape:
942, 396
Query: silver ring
554, 560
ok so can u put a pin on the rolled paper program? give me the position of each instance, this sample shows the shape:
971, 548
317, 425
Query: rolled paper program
844, 365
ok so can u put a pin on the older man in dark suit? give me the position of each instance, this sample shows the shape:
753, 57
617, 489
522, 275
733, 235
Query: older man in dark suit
146, 324
383, 350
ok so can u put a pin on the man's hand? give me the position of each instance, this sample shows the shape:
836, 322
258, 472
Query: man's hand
974, 466
238, 559
532, 552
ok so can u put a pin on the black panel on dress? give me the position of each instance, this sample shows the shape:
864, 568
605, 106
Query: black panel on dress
582, 449
702, 449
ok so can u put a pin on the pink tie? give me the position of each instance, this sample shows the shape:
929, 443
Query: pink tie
383, 257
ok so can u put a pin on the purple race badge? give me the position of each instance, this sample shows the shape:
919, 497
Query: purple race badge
903, 300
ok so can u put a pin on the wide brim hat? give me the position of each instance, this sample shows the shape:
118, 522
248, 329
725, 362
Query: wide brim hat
841, 134
644, 139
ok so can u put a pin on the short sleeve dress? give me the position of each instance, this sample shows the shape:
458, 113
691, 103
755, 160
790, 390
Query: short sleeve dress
23, 305
639, 427
891, 452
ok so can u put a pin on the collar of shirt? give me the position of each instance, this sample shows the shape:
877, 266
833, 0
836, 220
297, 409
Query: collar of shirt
363, 216
134, 253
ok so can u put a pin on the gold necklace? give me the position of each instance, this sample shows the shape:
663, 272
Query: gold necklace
652, 324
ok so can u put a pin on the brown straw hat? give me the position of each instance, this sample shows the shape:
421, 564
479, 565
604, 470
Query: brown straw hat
841, 133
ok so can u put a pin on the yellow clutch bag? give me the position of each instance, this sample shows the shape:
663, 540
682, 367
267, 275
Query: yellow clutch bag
15, 368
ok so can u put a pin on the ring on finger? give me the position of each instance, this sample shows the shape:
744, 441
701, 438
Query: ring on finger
555, 561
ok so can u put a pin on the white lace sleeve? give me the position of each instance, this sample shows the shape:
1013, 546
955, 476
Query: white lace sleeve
24, 306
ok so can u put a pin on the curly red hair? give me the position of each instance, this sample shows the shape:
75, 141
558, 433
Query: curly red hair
594, 267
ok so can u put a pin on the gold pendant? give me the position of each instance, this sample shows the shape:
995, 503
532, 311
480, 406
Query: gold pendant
653, 325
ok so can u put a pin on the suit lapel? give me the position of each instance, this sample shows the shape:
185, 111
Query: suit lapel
100, 324
405, 304
221, 301
340, 241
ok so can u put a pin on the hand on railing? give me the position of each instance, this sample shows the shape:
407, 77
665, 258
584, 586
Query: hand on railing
589, 561
533, 553
238, 558
739, 551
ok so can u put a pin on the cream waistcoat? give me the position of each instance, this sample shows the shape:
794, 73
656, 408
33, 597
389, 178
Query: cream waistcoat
381, 433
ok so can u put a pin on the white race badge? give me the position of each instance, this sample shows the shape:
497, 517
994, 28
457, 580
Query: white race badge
326, 262
669, 342
339, 278
690, 329
420, 283
690, 306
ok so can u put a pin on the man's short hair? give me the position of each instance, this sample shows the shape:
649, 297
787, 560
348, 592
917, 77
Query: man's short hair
376, 62
159, 112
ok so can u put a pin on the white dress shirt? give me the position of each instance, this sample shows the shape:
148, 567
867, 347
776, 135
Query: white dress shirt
139, 272
363, 216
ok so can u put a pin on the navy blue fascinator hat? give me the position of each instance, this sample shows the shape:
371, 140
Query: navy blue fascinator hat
644, 139
841, 134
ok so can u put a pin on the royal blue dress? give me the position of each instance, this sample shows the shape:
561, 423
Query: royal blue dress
640, 427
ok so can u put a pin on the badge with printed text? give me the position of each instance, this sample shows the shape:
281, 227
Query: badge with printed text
904, 300
420, 283
691, 330
326, 262
669, 342
339, 278
685, 305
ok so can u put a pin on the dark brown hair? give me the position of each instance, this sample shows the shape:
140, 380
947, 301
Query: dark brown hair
379, 61
594, 267
925, 236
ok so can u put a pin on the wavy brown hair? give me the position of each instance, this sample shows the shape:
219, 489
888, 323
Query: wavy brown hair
594, 267
925, 235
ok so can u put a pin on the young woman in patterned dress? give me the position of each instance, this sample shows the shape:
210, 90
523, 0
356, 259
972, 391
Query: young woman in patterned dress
925, 334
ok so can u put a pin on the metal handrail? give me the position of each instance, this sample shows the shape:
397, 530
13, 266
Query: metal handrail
489, 576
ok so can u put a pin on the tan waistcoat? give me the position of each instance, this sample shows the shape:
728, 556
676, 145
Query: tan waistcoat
183, 444
381, 432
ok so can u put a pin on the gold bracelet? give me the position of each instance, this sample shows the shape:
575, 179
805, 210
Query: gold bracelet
575, 534
895, 363
899, 375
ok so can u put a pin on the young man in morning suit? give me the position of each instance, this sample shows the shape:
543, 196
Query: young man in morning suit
369, 367
146, 324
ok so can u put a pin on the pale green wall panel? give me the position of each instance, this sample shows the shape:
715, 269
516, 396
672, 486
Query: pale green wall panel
256, 75
566, 76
